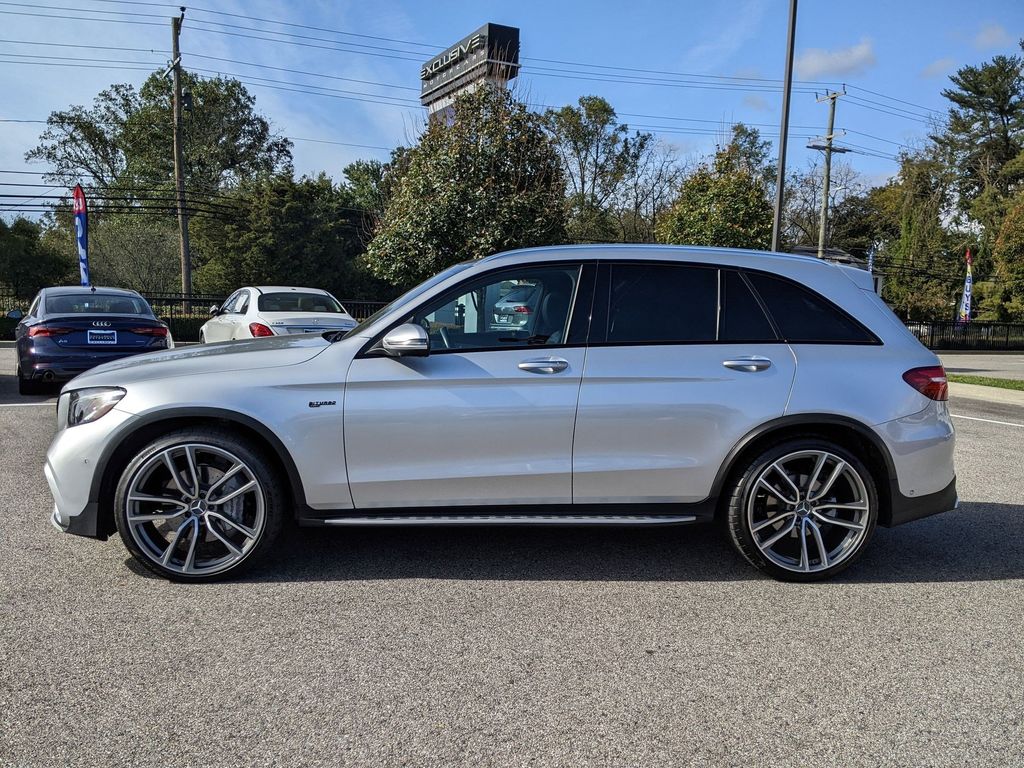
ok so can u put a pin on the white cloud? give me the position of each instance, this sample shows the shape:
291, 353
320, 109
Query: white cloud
938, 67
991, 36
757, 103
819, 62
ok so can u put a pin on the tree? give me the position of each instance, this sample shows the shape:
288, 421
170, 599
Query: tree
802, 209
984, 138
27, 263
487, 182
122, 144
134, 251
1008, 256
597, 155
723, 203
652, 175
288, 231
372, 183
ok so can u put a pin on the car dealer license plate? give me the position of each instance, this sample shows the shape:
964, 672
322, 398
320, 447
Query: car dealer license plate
102, 337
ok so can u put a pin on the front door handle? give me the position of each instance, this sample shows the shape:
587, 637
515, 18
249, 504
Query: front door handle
749, 364
544, 365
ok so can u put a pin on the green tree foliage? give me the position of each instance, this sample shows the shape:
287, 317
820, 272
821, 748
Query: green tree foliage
372, 184
723, 203
122, 144
489, 181
1008, 256
28, 262
288, 232
601, 162
135, 251
984, 138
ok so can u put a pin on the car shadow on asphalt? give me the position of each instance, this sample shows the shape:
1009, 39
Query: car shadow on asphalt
978, 542
9, 392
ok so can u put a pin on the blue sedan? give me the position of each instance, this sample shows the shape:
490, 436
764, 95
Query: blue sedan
69, 330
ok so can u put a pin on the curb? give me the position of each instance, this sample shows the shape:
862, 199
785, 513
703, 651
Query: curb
989, 394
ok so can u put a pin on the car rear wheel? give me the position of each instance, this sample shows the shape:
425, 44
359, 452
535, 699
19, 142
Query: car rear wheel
803, 510
199, 505
28, 386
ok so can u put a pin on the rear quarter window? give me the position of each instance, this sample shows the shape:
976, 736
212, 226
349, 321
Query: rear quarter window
803, 316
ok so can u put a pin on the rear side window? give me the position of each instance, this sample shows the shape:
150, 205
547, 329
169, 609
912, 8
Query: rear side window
662, 303
803, 316
742, 318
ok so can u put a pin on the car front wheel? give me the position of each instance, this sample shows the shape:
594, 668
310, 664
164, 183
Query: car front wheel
199, 505
803, 510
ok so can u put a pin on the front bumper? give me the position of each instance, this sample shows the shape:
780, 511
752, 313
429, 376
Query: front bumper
70, 470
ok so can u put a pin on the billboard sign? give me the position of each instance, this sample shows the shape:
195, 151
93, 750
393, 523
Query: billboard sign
490, 52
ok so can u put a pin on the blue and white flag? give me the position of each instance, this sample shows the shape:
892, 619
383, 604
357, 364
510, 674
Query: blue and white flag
965, 302
81, 232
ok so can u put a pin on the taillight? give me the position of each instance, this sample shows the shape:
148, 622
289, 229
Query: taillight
48, 330
158, 330
522, 310
930, 381
259, 329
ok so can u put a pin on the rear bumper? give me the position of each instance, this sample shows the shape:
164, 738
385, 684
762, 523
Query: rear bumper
51, 367
906, 509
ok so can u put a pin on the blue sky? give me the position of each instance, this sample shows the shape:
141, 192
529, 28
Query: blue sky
897, 55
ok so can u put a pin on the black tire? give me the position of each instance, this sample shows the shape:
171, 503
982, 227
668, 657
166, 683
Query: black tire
28, 386
202, 337
270, 486
745, 483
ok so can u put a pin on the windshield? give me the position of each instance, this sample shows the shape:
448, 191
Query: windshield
293, 301
410, 295
96, 303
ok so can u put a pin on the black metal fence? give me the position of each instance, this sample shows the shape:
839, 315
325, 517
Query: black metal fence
973, 335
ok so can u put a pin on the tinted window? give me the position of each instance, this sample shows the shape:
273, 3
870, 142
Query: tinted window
475, 315
294, 301
96, 303
662, 303
804, 316
741, 318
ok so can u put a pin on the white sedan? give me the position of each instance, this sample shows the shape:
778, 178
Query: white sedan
271, 310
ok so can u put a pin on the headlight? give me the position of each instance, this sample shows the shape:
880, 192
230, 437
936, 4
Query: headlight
89, 404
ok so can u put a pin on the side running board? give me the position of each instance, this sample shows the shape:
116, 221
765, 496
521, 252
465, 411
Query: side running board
419, 518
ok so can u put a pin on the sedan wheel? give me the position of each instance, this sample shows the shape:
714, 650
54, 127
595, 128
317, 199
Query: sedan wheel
192, 506
803, 511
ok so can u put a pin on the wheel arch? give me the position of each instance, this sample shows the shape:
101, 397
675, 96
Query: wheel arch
842, 430
120, 450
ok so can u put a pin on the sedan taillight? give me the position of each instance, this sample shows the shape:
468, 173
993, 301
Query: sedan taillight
523, 310
158, 330
930, 381
259, 329
48, 330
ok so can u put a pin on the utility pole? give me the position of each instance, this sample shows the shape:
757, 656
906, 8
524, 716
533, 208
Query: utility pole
780, 178
831, 98
179, 163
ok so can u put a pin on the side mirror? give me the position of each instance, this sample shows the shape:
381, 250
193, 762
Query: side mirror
214, 310
406, 340
15, 314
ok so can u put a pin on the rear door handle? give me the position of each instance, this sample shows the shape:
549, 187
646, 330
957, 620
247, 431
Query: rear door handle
750, 364
544, 365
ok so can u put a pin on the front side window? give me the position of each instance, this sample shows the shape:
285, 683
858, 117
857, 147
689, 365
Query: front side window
803, 316
518, 308
662, 303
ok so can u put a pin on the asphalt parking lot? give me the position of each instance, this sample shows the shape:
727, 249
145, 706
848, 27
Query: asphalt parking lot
518, 647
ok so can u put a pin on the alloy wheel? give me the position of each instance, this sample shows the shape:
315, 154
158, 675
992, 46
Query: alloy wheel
808, 511
195, 509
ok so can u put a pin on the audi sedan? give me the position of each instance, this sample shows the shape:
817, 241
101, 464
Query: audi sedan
257, 311
652, 386
69, 330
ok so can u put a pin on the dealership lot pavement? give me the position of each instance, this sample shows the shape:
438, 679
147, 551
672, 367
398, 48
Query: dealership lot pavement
518, 647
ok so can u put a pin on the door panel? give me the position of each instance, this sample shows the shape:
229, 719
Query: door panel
462, 428
655, 422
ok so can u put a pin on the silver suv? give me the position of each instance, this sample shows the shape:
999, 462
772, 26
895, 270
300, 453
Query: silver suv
649, 386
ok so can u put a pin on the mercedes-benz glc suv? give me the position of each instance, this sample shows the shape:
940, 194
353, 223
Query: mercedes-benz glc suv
652, 385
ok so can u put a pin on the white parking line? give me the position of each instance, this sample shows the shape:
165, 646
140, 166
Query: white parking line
988, 421
25, 405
